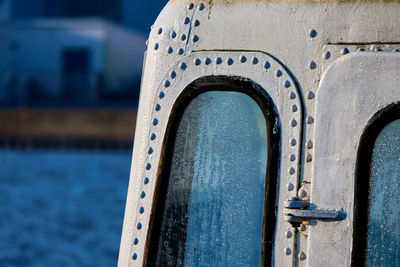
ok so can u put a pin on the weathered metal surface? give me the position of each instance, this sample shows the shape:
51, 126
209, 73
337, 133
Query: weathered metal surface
301, 40
352, 90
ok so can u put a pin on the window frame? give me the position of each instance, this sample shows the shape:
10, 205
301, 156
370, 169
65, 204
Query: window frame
264, 101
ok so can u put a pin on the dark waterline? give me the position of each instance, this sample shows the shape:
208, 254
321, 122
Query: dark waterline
61, 208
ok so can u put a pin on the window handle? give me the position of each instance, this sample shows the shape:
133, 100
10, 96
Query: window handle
297, 211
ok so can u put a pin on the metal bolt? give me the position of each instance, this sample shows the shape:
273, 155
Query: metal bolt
196, 23
195, 38
309, 144
310, 95
302, 256
229, 61
191, 6
218, 60
294, 108
288, 234
303, 194
160, 30
242, 59
291, 170
155, 46
309, 157
293, 142
344, 51
254, 60
288, 251
172, 74
182, 66
187, 20
167, 83
313, 65
286, 84
313, 33
170, 50
183, 37
293, 123
180, 51
278, 73
290, 187
327, 55
292, 157
292, 95
201, 7
197, 61
173, 34
310, 120
267, 65
207, 61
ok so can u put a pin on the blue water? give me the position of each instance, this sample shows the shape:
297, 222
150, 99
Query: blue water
61, 208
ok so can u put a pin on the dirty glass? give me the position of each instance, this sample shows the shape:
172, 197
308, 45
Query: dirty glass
383, 241
213, 213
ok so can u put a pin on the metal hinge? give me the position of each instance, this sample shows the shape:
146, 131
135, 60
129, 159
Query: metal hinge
297, 211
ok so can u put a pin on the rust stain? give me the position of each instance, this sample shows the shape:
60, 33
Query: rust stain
210, 5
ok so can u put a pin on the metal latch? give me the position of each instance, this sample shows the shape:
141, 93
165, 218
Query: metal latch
297, 211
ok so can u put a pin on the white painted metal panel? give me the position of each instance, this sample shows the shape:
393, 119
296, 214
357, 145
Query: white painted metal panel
352, 90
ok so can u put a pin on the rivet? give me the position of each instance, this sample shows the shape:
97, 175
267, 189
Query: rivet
155, 121
139, 226
191, 6
309, 144
303, 227
288, 251
292, 157
302, 256
396, 50
170, 50
135, 241
141, 210
150, 150
313, 65
182, 66
218, 60
134, 256
313, 33
173, 34
360, 49
344, 51
161, 94
292, 142
302, 194
183, 37
196, 23
294, 108
310, 120
146, 180
167, 83
195, 38
172, 74
148, 166
156, 46
293, 123
290, 187
242, 59
180, 51
309, 157
153, 136
187, 20
201, 7
197, 61
286, 84
229, 61
207, 60
291, 171
288, 234
254, 60
143, 194
327, 55
267, 65
160, 30
310, 95
278, 73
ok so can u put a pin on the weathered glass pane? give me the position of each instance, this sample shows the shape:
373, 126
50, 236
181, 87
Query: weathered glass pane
213, 213
383, 247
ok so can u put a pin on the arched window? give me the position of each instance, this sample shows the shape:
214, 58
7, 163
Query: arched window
377, 214
215, 198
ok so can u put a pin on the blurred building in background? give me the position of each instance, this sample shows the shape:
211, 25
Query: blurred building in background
67, 51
